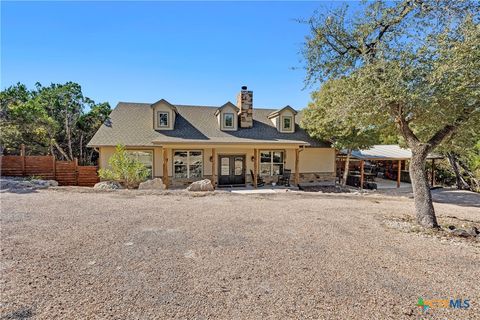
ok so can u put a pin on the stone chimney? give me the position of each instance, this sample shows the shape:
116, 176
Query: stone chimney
245, 104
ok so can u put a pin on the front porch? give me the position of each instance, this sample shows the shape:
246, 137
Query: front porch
236, 166
232, 164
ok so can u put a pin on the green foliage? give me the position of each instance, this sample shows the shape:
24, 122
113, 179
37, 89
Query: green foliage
327, 118
409, 65
125, 169
56, 119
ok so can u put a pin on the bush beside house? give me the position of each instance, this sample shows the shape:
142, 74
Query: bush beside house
129, 172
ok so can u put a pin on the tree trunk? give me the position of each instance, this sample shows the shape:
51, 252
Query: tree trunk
461, 183
347, 165
69, 133
90, 157
473, 183
81, 149
62, 152
424, 210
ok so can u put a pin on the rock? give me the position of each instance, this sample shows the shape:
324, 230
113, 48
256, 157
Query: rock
25, 183
460, 233
107, 185
202, 185
473, 231
41, 184
52, 183
154, 184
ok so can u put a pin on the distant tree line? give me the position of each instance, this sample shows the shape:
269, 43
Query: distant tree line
56, 119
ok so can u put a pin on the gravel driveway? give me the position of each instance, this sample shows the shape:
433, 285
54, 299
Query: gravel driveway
128, 255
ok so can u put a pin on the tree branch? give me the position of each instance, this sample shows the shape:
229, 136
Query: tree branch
397, 111
449, 129
385, 26
60, 149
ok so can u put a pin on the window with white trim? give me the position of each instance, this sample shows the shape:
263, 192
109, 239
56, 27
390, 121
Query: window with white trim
163, 119
228, 120
287, 123
188, 164
271, 162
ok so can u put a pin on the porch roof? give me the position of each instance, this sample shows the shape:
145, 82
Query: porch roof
386, 152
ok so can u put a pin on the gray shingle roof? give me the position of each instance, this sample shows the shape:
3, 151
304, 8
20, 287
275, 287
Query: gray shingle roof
132, 124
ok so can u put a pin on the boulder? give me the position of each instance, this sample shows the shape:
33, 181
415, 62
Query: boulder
40, 184
52, 183
202, 185
154, 184
460, 233
107, 185
473, 231
25, 183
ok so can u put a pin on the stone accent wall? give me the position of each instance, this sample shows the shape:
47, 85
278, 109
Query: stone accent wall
305, 177
245, 104
317, 177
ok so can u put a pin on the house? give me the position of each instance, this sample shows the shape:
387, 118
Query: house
226, 143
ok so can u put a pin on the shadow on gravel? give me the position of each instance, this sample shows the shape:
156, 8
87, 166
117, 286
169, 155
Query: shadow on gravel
457, 197
22, 313
19, 191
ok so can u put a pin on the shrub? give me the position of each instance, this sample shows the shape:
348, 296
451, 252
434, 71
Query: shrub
125, 169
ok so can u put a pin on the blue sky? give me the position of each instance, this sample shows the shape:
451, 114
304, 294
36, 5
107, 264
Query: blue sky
185, 52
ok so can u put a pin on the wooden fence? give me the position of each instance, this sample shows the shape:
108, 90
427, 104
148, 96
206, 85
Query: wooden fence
67, 173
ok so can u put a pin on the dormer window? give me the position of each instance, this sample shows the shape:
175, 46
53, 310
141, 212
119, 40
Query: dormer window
227, 117
287, 123
228, 120
163, 119
284, 119
163, 115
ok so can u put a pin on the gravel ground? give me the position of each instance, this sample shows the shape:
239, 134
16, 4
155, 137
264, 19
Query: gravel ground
68, 254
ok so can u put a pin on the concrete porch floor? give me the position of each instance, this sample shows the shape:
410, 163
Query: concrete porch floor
391, 184
265, 189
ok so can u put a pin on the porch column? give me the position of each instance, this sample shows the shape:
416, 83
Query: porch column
165, 167
214, 178
399, 172
255, 170
297, 173
433, 173
362, 173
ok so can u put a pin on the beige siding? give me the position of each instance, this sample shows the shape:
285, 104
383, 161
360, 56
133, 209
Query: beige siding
107, 152
317, 160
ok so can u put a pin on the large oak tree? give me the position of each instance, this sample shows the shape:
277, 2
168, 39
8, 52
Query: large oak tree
412, 64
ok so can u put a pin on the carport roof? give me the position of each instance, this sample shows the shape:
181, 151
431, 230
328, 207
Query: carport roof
386, 152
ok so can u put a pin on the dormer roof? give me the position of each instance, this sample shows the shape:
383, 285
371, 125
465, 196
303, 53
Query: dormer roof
228, 104
276, 113
163, 101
